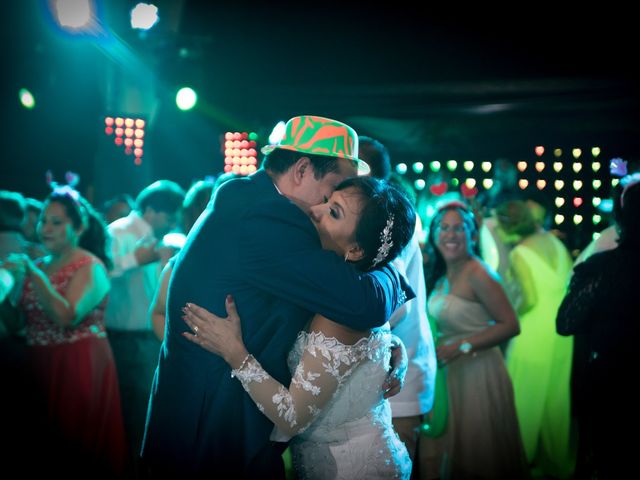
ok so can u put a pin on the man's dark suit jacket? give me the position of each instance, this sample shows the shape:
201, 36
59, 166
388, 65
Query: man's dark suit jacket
257, 245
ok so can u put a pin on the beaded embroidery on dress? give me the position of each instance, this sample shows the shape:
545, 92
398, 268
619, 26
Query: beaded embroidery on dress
334, 408
353, 437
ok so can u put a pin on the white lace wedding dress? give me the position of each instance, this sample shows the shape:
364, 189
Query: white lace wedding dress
334, 407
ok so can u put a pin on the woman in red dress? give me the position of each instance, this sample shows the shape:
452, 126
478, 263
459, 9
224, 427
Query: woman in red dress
63, 301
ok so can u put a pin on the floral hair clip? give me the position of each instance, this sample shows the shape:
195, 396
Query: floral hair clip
385, 242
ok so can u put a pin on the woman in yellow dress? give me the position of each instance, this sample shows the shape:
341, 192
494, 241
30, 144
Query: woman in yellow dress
539, 360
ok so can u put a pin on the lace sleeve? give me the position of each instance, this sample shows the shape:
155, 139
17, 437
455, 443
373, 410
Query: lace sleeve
578, 302
324, 366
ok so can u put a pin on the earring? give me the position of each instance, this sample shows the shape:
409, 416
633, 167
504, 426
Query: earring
346, 257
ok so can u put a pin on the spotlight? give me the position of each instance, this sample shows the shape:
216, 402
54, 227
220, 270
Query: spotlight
144, 16
186, 98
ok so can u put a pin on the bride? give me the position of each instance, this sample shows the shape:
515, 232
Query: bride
334, 408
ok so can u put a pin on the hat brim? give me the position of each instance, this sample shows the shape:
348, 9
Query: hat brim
362, 167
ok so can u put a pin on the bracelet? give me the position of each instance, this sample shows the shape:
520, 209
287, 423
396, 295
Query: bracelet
235, 371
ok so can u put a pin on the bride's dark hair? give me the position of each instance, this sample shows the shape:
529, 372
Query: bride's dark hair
387, 221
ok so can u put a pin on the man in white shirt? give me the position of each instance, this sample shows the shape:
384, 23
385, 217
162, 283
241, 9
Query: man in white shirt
138, 257
409, 323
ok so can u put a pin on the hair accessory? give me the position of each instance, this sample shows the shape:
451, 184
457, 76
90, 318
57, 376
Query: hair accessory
387, 243
618, 167
320, 136
468, 192
439, 189
72, 180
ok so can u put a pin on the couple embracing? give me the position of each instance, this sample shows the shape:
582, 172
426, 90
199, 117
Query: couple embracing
286, 278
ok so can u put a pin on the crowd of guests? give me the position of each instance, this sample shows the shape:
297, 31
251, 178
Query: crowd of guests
82, 307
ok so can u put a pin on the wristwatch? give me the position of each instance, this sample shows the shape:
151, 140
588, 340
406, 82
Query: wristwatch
465, 347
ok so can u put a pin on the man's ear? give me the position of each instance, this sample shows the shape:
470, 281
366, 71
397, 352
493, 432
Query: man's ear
300, 168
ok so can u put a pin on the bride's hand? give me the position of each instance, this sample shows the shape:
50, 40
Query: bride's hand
222, 336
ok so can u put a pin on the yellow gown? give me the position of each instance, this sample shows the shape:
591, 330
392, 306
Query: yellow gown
539, 360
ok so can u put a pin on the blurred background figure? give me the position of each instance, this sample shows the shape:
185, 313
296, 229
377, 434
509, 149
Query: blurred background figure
601, 310
409, 322
12, 217
481, 439
32, 216
608, 238
195, 201
139, 256
118, 207
539, 360
494, 248
62, 302
12, 241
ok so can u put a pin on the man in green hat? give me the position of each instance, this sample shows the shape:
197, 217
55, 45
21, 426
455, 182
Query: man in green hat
256, 243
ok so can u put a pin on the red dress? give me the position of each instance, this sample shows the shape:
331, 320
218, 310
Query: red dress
75, 369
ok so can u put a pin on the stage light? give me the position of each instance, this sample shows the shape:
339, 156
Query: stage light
435, 166
559, 219
470, 183
577, 201
522, 166
595, 166
577, 219
124, 128
559, 184
559, 201
596, 184
540, 183
186, 98
468, 165
576, 152
74, 14
452, 165
596, 201
615, 182
418, 167
577, 167
557, 166
144, 16
577, 184
26, 98
486, 166
239, 160
487, 183
596, 219
539, 150
523, 183
401, 168
539, 166
595, 151
455, 182
420, 184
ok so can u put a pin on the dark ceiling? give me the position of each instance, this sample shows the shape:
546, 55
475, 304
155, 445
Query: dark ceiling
461, 81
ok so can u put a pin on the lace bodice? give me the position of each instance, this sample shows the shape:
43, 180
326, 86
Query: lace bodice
335, 408
320, 366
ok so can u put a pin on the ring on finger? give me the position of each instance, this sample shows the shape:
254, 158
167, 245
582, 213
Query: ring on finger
195, 329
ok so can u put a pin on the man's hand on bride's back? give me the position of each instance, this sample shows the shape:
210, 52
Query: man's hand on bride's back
399, 363
222, 336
